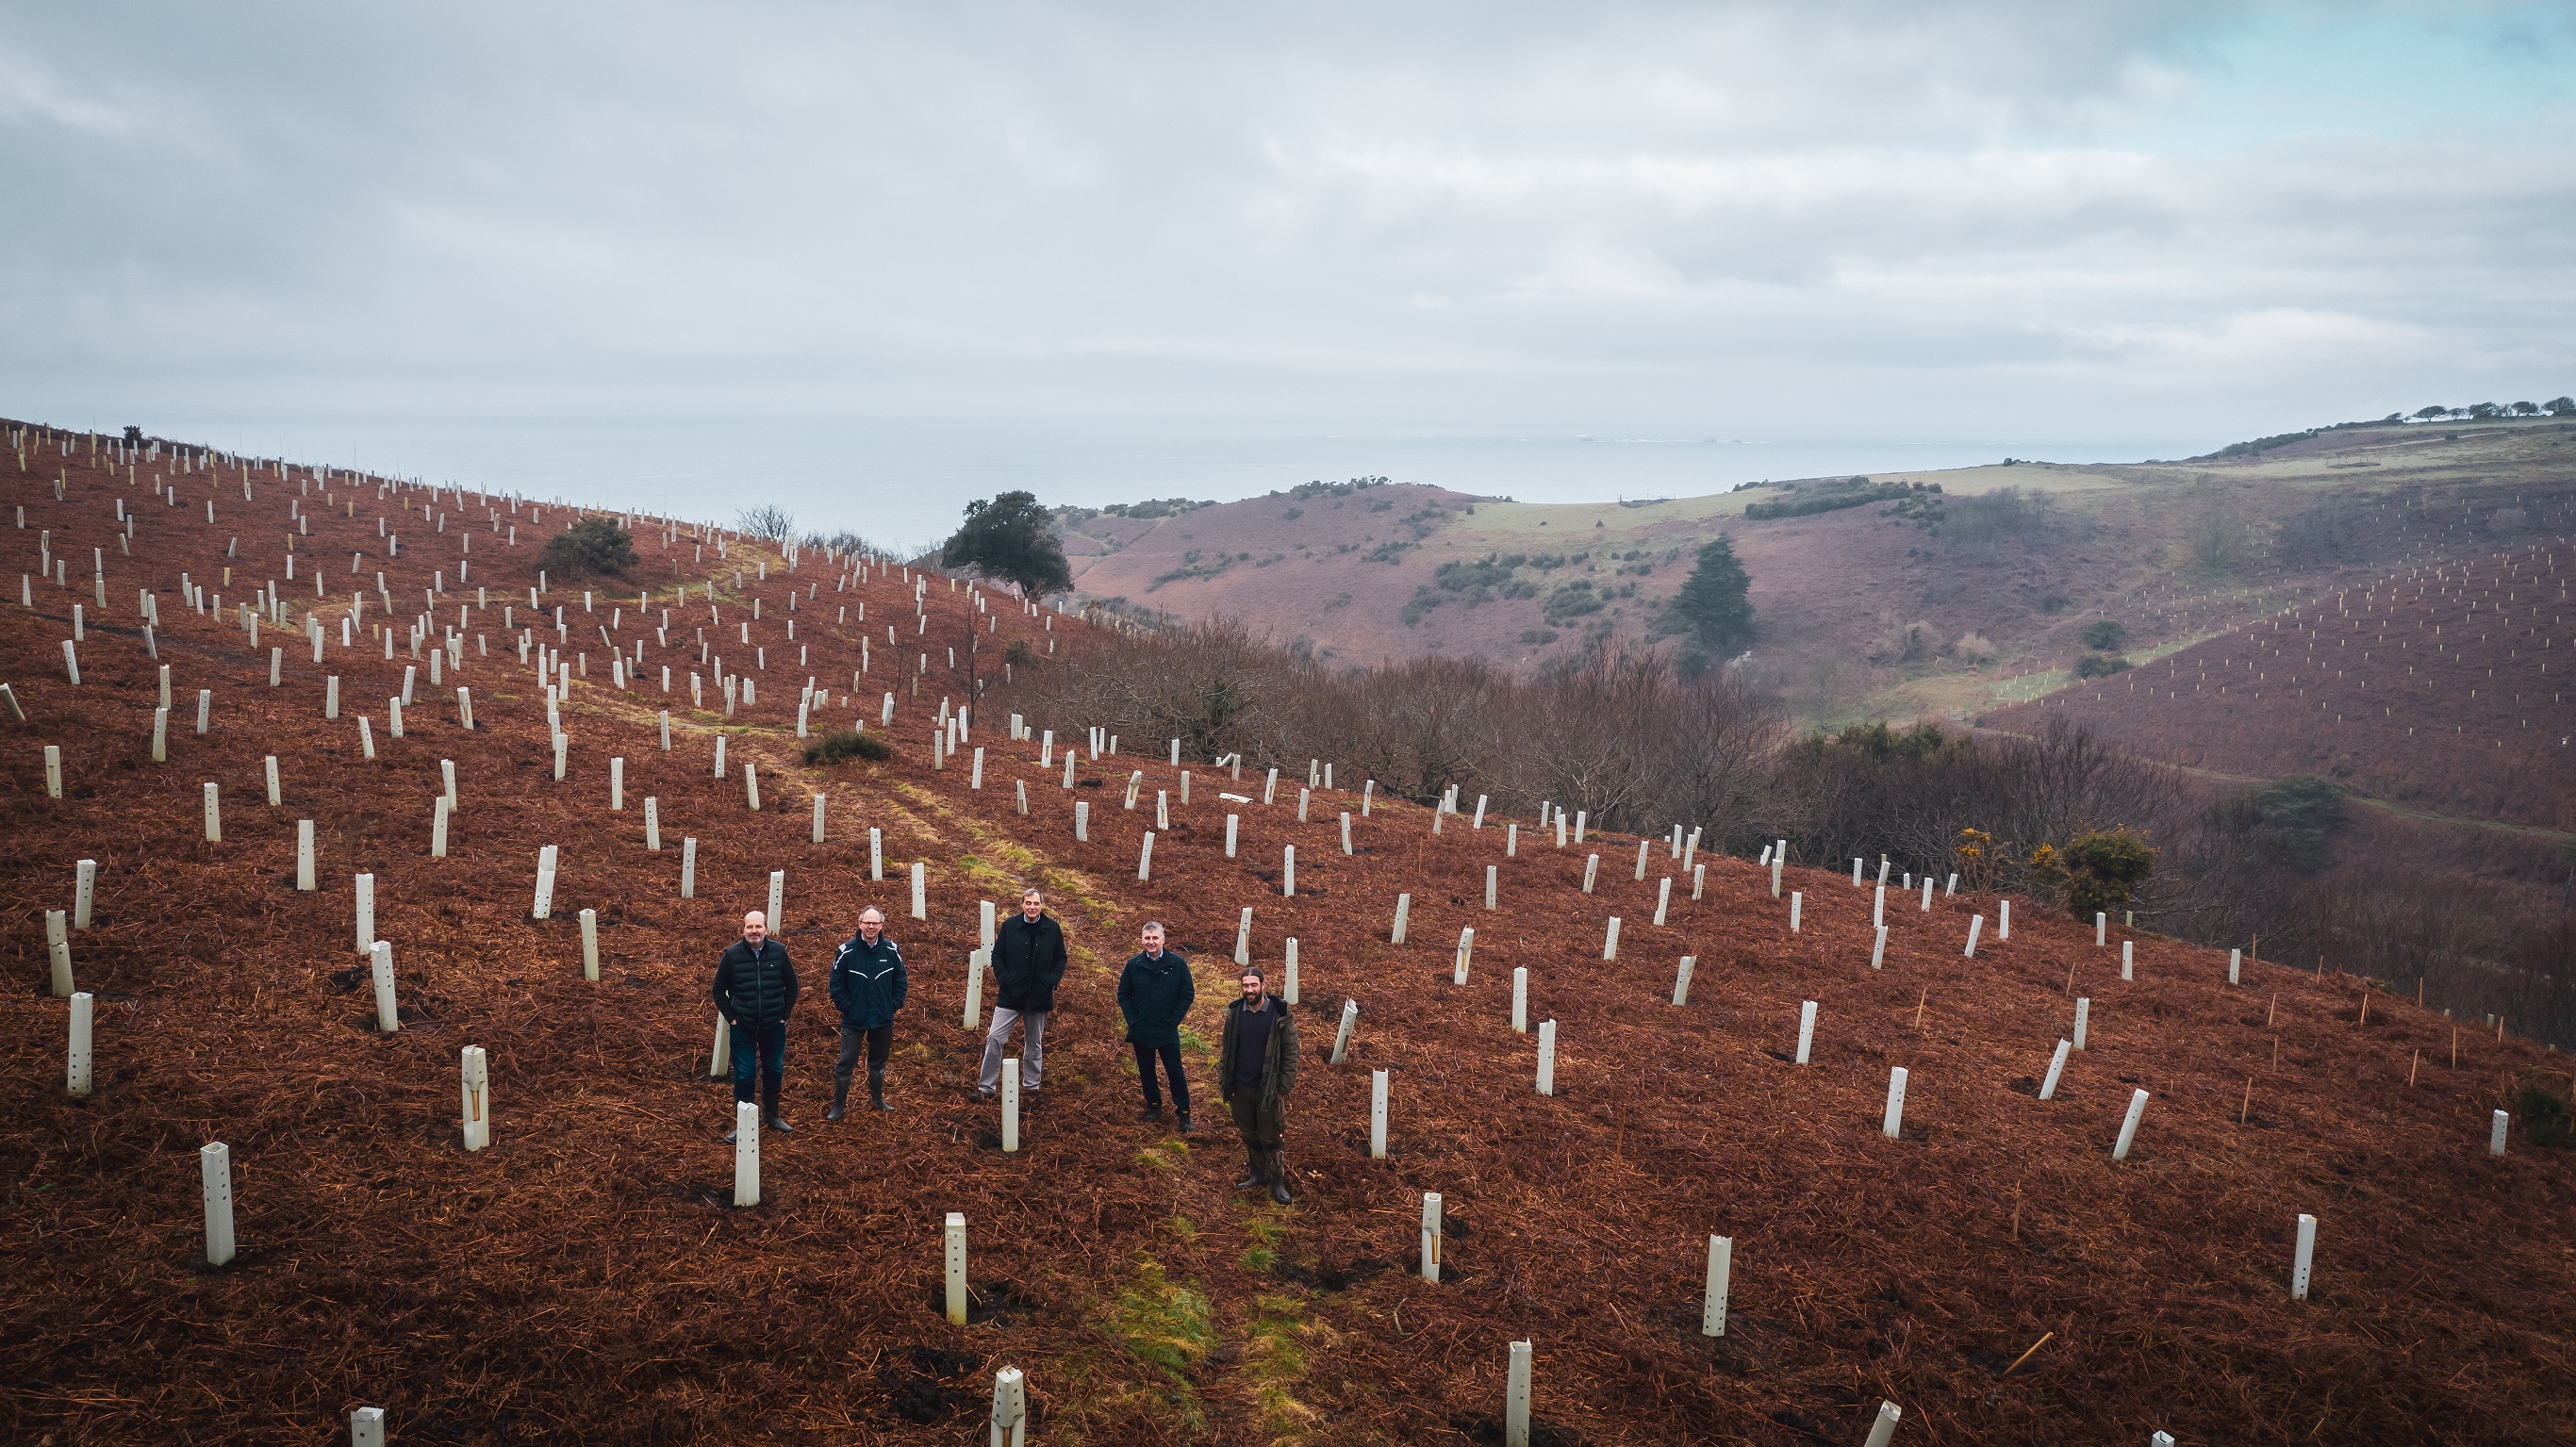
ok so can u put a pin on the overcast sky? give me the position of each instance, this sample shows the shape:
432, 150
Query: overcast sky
406, 230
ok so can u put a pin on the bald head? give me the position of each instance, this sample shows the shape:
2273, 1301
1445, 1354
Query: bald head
755, 928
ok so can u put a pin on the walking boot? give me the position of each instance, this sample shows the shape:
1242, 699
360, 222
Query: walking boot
1151, 1113
770, 1119
840, 1096
876, 1088
1257, 1169
1186, 1127
1279, 1177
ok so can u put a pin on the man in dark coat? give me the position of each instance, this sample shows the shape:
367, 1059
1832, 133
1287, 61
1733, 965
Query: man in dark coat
1154, 993
1256, 1068
1028, 963
755, 989
868, 986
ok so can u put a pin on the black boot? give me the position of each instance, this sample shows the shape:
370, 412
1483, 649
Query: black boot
1257, 1167
1186, 1127
840, 1096
1279, 1177
729, 1136
1151, 1113
770, 1119
876, 1087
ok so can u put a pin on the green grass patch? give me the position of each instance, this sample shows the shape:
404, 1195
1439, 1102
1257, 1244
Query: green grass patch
1274, 1361
1165, 1324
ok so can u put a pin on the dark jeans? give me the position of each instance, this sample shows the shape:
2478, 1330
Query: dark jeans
769, 1044
1170, 1051
879, 1041
1262, 1125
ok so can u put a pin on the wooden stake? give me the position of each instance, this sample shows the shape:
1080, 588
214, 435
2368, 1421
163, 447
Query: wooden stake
2365, 1004
1918, 1009
2016, 1216
2412, 1066
2025, 1356
2246, 1112
2274, 1013
2276, 1052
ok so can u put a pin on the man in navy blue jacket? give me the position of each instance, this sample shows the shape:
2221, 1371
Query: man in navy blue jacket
868, 984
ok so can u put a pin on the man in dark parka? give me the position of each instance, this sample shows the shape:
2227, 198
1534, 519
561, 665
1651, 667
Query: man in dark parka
1028, 963
1256, 1068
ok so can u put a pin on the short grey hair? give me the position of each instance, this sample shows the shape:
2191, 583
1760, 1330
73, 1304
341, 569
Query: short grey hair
1154, 925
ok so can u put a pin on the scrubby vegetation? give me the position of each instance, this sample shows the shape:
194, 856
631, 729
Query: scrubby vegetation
842, 745
594, 547
1810, 498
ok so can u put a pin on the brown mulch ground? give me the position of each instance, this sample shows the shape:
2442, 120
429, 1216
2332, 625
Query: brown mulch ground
586, 1279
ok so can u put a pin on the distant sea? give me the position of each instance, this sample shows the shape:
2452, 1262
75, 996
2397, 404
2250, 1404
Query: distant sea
905, 482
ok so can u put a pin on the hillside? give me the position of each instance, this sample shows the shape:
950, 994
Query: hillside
1927, 608
2432, 688
585, 1279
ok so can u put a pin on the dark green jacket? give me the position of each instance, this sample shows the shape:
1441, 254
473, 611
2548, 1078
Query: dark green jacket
1155, 996
1279, 1068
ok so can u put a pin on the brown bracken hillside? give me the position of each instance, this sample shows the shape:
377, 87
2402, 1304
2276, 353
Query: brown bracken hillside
586, 1279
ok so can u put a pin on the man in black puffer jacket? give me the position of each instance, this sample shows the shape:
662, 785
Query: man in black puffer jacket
868, 986
755, 989
1028, 963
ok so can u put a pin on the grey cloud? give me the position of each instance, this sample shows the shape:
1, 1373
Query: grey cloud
1696, 218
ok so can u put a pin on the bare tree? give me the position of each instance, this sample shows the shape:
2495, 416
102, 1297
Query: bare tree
768, 522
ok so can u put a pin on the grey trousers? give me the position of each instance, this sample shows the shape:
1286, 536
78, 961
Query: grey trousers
1032, 1060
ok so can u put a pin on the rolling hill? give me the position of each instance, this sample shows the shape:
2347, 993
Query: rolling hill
1931, 608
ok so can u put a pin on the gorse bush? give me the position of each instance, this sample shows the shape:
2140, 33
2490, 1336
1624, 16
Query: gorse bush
2105, 634
2100, 665
591, 548
2104, 868
842, 745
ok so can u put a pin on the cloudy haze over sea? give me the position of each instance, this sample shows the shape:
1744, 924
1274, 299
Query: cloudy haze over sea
869, 261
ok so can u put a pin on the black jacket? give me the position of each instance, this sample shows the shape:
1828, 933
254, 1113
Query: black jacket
1279, 1065
755, 989
868, 982
1155, 997
1028, 963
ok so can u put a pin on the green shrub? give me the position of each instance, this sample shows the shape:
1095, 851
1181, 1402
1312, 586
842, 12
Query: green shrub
2105, 634
2104, 868
846, 744
592, 547
2100, 665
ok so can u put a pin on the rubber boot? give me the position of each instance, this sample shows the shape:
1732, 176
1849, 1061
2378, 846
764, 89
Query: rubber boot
730, 1135
770, 1119
876, 1088
840, 1096
1279, 1177
1257, 1168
